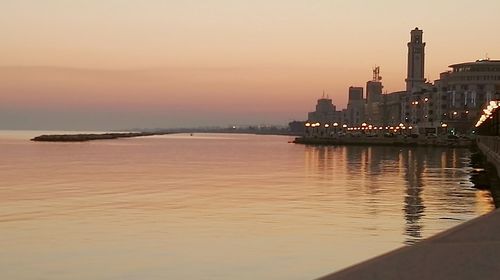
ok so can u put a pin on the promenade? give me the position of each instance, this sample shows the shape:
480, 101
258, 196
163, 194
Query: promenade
468, 251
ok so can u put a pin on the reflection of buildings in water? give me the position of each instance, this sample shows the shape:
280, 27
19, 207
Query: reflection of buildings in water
448, 167
413, 206
429, 175
324, 160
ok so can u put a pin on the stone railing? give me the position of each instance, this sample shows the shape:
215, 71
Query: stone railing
490, 147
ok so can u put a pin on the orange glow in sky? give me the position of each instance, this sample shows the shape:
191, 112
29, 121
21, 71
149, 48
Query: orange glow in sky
87, 64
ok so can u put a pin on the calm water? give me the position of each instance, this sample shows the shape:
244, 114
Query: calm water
219, 206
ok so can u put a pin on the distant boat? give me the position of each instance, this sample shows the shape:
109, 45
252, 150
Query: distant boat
191, 134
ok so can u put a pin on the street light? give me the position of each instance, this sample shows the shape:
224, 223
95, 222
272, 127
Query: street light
445, 127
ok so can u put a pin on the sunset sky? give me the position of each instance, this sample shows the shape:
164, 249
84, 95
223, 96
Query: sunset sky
116, 64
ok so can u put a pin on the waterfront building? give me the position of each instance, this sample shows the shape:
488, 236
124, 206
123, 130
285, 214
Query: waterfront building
355, 107
465, 89
374, 102
416, 60
326, 112
450, 104
457, 98
393, 108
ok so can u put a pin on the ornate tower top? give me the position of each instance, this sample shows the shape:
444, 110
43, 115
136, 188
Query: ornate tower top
416, 60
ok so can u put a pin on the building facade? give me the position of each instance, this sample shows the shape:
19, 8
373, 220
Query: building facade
355, 106
326, 112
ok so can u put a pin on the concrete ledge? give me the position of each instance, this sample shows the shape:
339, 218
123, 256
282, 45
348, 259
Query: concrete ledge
381, 141
489, 147
468, 251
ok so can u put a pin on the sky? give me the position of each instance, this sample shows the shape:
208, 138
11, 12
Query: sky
120, 64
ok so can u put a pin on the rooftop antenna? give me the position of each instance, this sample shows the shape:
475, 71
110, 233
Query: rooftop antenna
486, 57
376, 74
323, 93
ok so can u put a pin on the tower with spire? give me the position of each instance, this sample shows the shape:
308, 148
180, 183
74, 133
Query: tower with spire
416, 60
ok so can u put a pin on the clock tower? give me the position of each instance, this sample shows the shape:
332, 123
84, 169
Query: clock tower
416, 59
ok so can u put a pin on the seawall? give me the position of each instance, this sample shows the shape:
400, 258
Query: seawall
390, 141
490, 147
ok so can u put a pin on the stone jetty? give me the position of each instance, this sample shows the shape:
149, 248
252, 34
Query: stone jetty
92, 136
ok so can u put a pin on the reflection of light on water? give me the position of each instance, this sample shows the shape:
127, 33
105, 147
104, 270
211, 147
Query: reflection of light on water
484, 202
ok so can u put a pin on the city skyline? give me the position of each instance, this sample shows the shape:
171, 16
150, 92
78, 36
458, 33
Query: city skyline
123, 64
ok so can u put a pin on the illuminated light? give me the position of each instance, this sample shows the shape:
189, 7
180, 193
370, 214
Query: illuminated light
444, 125
327, 125
370, 126
344, 125
335, 124
387, 127
308, 124
426, 99
454, 113
380, 128
401, 124
363, 124
375, 128
416, 102
403, 127
392, 127
466, 112
411, 127
317, 124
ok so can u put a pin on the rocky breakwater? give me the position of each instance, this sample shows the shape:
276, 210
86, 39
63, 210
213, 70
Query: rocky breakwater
92, 136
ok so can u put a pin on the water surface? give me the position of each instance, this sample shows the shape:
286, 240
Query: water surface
215, 206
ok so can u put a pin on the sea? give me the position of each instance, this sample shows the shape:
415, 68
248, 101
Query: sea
219, 206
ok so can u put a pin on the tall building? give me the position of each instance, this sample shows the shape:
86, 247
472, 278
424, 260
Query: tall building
374, 87
416, 60
355, 106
